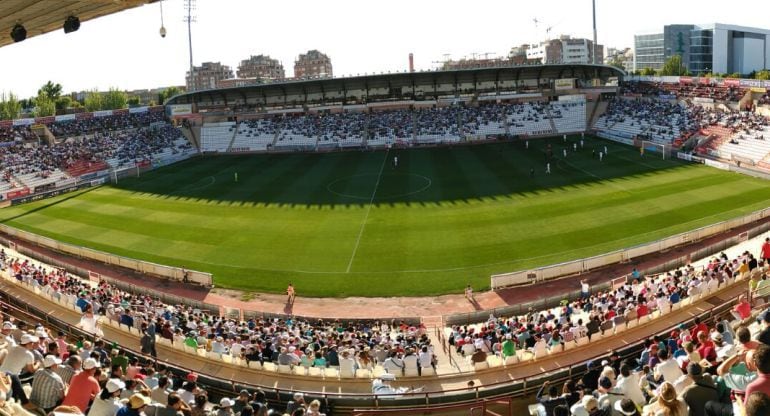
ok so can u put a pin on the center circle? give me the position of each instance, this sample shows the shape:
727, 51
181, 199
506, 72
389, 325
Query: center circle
361, 186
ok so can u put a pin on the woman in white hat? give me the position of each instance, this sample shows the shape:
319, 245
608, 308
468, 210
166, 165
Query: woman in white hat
108, 401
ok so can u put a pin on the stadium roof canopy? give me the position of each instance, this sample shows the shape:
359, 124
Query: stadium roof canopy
532, 73
43, 16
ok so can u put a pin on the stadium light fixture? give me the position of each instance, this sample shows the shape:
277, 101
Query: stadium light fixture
162, 30
71, 24
18, 33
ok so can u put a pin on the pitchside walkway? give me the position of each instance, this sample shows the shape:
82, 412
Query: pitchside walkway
429, 308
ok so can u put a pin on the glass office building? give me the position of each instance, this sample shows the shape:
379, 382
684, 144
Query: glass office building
705, 48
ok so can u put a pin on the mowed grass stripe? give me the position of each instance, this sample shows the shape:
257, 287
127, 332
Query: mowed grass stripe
146, 226
482, 214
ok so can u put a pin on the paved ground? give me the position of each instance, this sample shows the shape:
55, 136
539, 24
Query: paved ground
369, 308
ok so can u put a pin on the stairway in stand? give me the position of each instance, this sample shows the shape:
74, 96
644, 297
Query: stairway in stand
599, 109
84, 167
550, 119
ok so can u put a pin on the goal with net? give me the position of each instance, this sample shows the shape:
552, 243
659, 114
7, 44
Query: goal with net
653, 149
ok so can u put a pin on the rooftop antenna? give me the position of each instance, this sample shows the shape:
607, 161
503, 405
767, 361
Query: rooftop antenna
189, 6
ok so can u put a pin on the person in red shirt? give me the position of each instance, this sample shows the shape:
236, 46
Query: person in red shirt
641, 310
766, 250
704, 341
83, 387
762, 362
742, 310
699, 327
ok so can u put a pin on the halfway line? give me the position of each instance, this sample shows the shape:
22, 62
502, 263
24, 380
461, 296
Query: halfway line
368, 209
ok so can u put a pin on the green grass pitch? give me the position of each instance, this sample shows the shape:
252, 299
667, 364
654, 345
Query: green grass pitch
352, 224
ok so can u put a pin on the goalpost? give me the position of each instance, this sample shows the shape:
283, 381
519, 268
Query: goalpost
653, 149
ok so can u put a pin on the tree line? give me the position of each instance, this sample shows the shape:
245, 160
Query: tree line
50, 101
673, 67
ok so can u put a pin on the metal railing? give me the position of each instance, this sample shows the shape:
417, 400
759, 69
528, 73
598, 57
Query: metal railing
575, 267
169, 272
474, 407
556, 300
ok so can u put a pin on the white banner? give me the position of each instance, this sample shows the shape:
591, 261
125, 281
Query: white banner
573, 97
103, 113
24, 122
66, 182
180, 109
564, 84
703, 100
508, 96
715, 164
138, 110
65, 117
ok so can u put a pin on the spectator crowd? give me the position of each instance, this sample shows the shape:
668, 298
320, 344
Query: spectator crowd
655, 118
684, 90
94, 378
697, 369
125, 138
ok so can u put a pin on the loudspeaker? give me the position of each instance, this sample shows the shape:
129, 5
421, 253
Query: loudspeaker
18, 33
71, 24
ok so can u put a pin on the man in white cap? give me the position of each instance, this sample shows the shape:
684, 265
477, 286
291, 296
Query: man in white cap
84, 387
7, 332
218, 346
225, 407
48, 389
508, 347
20, 357
287, 356
299, 401
42, 334
468, 347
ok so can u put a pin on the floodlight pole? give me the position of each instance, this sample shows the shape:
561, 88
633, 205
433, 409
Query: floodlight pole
190, 6
593, 2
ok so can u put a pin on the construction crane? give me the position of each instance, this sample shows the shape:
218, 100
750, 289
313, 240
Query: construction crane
447, 58
548, 29
537, 26
475, 55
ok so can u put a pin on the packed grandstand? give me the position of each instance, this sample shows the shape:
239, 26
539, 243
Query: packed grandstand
691, 339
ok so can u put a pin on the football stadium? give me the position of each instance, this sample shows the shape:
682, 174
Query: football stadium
490, 237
